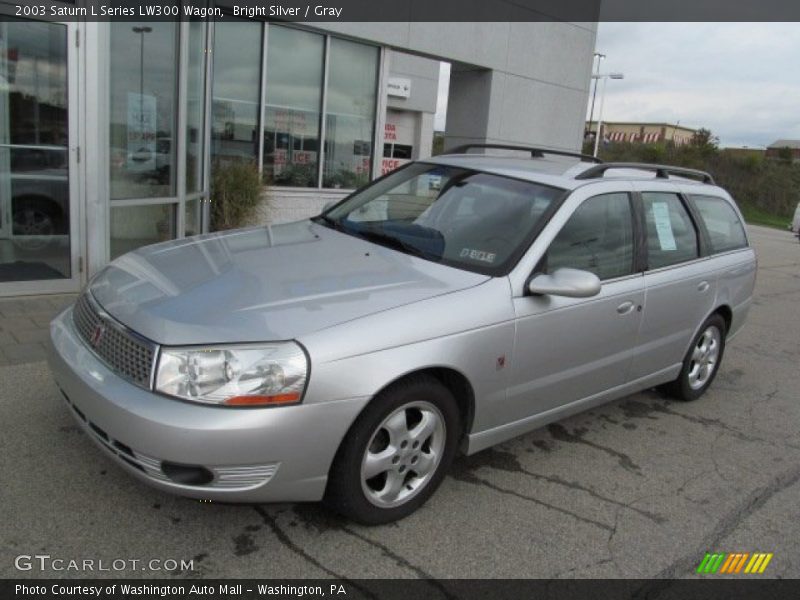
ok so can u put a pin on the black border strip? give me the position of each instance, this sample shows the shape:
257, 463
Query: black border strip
385, 11
709, 587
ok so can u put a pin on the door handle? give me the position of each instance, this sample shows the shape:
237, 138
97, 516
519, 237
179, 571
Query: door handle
625, 308
703, 286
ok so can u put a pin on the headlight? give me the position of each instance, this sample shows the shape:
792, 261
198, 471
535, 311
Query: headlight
240, 375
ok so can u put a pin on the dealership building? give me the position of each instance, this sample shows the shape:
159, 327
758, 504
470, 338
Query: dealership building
110, 131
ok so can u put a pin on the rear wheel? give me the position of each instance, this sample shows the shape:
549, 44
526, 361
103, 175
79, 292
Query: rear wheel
702, 361
396, 454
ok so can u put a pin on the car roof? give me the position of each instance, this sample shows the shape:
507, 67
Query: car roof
555, 171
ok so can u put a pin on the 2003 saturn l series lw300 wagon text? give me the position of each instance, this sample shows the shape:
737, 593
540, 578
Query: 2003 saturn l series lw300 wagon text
453, 304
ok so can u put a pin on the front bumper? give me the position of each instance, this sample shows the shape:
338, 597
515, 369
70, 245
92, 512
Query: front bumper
279, 454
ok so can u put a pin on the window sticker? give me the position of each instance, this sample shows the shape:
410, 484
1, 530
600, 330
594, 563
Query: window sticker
487, 257
666, 239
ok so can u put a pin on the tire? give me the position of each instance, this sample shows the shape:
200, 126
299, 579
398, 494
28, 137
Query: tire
701, 364
396, 453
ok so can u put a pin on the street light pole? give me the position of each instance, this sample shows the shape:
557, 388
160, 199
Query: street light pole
599, 117
599, 57
605, 77
141, 31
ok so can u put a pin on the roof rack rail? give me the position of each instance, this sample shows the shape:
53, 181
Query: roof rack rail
535, 152
661, 171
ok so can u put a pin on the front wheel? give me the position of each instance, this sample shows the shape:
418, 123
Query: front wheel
702, 361
396, 453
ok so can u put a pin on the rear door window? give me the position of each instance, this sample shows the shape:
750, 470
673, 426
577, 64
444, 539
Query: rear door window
724, 227
671, 236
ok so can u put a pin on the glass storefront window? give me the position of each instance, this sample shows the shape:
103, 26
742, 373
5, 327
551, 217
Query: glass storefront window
143, 88
195, 106
144, 159
350, 118
34, 157
236, 93
293, 97
292, 109
192, 221
136, 226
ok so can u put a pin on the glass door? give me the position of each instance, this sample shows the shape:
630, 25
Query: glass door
39, 224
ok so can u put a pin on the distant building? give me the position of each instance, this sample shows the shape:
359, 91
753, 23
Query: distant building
643, 133
776, 149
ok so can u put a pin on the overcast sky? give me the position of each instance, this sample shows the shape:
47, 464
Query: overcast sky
740, 80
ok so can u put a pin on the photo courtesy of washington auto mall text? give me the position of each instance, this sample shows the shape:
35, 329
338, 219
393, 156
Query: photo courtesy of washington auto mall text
126, 590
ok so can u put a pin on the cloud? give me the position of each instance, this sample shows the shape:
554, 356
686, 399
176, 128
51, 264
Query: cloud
737, 79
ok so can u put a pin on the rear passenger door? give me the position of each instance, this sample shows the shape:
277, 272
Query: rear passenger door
679, 285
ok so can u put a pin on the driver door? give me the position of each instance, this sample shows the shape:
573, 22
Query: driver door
569, 349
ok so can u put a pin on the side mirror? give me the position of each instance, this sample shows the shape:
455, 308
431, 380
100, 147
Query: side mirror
572, 283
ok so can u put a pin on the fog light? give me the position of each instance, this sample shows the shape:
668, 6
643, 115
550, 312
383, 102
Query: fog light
187, 474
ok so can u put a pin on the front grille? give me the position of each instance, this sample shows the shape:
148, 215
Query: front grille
125, 352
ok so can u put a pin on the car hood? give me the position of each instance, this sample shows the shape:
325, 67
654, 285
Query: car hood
261, 284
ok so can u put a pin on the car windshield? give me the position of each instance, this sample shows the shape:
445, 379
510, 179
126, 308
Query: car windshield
463, 218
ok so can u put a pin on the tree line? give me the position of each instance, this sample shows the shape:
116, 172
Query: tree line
763, 187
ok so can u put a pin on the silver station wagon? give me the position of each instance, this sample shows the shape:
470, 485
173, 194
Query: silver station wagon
450, 305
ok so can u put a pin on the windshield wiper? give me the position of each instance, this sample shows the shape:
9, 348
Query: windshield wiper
377, 237
329, 221
393, 242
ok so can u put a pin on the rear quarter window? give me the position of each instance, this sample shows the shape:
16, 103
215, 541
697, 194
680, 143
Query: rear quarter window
725, 229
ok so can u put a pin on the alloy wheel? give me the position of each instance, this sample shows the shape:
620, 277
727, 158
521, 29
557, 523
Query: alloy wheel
403, 454
704, 358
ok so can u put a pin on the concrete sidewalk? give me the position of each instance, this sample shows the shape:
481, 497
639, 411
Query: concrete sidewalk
24, 325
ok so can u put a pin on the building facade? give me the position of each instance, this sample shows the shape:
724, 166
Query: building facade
642, 133
110, 132
784, 150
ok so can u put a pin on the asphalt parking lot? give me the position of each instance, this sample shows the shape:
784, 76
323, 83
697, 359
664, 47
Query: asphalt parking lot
642, 487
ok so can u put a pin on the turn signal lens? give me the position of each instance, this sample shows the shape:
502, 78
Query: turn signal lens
257, 400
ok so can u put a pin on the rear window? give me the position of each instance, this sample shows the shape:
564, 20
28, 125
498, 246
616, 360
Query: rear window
722, 223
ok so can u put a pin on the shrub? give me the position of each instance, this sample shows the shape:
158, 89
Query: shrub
235, 194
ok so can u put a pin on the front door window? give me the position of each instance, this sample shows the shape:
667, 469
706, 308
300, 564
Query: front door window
598, 238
